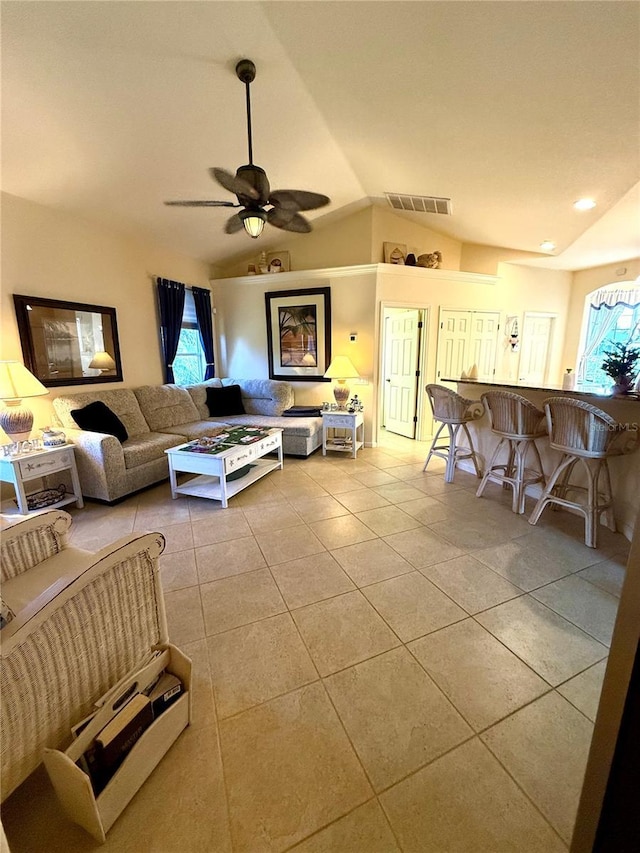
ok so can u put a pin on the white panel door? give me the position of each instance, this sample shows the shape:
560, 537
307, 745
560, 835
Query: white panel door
535, 349
483, 342
453, 344
402, 346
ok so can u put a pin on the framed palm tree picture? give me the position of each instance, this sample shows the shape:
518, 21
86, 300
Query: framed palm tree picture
299, 334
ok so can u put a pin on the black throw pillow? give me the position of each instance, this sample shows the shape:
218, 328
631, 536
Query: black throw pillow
98, 417
225, 401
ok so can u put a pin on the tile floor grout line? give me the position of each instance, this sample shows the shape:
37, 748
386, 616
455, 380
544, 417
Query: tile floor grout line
525, 793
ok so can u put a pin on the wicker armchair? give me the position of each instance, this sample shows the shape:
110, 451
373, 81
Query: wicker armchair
82, 621
454, 413
585, 434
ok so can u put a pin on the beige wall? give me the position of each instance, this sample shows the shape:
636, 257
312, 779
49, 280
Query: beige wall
388, 227
343, 243
51, 254
485, 259
242, 331
585, 282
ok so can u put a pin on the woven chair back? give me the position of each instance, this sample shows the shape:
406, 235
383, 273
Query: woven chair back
580, 428
449, 407
513, 415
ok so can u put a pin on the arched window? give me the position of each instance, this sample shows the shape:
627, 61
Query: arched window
612, 315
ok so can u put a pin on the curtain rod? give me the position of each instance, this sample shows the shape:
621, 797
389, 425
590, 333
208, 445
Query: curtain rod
188, 286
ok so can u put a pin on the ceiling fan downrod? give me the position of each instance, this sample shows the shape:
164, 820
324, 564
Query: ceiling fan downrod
246, 73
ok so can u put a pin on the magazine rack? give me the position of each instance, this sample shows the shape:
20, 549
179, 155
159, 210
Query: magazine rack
97, 814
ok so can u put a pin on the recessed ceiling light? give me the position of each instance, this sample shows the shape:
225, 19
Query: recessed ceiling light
547, 246
584, 204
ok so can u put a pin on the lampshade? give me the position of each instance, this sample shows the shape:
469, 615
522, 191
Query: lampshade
102, 361
16, 382
341, 368
253, 221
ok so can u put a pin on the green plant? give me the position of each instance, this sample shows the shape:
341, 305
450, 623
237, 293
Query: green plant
620, 362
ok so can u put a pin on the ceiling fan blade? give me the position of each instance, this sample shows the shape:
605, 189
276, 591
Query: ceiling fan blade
234, 224
202, 204
234, 184
298, 199
288, 220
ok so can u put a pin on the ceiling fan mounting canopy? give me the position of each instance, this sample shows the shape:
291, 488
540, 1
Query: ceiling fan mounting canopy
251, 187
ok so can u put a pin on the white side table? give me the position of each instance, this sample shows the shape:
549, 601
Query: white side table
352, 422
21, 469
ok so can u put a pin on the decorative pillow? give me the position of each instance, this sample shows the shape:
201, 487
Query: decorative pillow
98, 417
6, 613
225, 401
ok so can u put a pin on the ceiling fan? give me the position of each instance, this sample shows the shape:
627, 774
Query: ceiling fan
251, 187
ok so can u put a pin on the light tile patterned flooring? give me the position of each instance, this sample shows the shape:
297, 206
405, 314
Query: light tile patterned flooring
382, 662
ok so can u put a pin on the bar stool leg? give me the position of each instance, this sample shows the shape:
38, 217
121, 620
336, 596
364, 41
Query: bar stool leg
451, 458
521, 448
433, 445
609, 517
591, 514
474, 457
489, 468
547, 494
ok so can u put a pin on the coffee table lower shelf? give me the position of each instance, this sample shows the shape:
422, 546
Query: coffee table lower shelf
208, 486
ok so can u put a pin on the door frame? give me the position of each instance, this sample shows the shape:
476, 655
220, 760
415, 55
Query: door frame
421, 408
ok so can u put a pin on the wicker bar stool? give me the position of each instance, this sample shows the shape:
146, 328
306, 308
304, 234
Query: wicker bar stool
454, 412
518, 423
585, 434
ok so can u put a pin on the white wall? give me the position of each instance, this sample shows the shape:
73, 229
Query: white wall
50, 254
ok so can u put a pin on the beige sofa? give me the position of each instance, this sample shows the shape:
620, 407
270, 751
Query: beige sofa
158, 417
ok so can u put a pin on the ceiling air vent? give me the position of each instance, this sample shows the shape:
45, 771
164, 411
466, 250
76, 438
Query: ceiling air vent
419, 203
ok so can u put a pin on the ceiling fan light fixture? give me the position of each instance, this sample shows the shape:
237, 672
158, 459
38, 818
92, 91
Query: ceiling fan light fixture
253, 221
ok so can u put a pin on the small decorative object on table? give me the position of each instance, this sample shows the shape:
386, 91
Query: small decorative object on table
568, 380
430, 260
620, 364
53, 437
46, 497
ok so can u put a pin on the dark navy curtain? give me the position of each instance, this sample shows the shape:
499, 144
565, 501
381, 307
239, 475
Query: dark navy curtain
202, 301
171, 298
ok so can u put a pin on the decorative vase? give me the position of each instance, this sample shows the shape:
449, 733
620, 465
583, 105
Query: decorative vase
622, 386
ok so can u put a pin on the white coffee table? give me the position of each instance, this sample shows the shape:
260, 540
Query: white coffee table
213, 468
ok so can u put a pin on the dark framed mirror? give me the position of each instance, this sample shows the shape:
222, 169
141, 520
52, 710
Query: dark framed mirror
68, 343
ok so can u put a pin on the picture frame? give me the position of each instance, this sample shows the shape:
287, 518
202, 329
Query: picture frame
299, 334
59, 341
278, 262
394, 253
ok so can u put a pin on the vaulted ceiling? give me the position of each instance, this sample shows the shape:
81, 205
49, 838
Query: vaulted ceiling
514, 110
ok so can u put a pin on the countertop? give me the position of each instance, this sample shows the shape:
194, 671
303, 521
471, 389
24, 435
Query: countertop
555, 389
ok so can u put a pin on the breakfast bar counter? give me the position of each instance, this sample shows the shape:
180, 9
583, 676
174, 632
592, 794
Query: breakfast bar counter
625, 470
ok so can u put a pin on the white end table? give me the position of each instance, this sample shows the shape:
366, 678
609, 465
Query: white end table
23, 468
352, 422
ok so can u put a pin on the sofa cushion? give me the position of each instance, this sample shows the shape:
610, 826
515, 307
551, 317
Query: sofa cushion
98, 417
225, 401
149, 447
122, 401
197, 429
264, 396
165, 406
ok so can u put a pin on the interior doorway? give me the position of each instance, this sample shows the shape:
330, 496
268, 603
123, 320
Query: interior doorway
403, 346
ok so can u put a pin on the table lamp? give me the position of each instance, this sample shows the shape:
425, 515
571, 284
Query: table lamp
103, 362
341, 369
16, 383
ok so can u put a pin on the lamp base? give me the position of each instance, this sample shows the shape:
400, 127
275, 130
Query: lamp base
16, 420
341, 394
